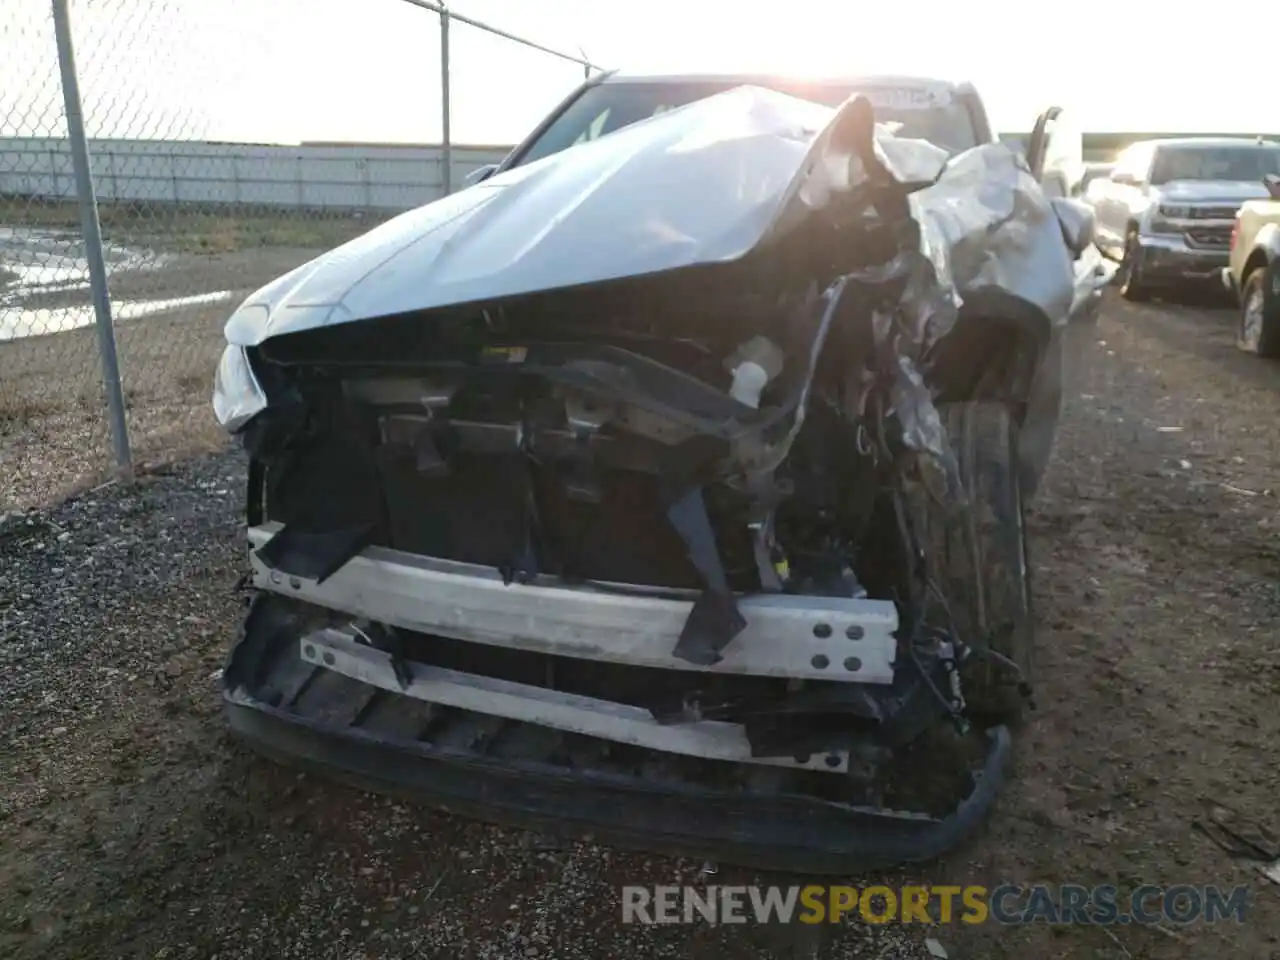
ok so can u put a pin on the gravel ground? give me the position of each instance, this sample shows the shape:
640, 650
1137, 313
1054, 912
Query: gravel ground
131, 825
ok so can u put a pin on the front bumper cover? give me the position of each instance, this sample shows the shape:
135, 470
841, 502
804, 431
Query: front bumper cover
1172, 258
366, 743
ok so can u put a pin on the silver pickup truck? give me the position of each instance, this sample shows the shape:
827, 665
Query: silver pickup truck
1167, 209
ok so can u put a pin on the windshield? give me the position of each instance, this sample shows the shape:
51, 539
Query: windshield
1244, 163
608, 107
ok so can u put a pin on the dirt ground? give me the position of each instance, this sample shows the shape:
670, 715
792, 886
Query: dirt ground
53, 423
131, 825
174, 274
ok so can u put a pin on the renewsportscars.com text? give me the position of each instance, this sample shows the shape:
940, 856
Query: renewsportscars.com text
1006, 904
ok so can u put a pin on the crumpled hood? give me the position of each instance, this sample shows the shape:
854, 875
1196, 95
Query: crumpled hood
747, 170
706, 183
697, 185
1213, 191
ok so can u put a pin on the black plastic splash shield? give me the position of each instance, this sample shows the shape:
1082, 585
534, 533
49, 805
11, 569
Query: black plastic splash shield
263, 683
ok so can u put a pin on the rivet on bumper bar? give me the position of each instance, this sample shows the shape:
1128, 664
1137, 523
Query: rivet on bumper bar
805, 637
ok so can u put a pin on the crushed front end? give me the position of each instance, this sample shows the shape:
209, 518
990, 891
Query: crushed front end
722, 557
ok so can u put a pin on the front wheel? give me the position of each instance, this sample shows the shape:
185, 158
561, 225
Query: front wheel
980, 559
1132, 285
1259, 330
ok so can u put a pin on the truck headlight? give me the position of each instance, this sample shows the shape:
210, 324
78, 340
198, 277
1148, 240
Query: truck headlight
237, 395
1158, 224
1174, 212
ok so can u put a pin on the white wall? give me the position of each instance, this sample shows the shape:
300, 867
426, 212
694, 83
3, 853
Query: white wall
159, 171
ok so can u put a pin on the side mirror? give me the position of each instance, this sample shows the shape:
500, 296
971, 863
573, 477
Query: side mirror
1038, 143
480, 173
1273, 185
1078, 223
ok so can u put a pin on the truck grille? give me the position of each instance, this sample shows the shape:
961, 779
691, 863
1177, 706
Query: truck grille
1212, 213
1211, 237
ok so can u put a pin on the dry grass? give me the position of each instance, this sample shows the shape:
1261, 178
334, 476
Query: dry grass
159, 354
53, 425
54, 435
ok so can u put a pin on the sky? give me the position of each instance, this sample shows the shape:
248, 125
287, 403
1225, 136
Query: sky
286, 71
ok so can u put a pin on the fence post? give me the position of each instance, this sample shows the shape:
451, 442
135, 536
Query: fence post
92, 234
446, 141
113, 191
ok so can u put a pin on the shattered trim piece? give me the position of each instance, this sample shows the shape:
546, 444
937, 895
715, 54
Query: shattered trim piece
803, 637
618, 722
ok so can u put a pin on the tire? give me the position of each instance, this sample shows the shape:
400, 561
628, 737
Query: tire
984, 569
1132, 287
1259, 327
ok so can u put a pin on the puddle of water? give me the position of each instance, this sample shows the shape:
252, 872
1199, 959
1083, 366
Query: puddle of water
16, 324
47, 260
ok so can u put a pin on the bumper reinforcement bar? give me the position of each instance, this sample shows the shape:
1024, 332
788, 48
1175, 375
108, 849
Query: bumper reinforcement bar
801, 637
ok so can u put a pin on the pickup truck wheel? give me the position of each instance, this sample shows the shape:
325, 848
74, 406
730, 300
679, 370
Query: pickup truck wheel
1259, 315
1131, 282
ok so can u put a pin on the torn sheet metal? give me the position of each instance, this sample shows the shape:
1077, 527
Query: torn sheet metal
985, 223
998, 229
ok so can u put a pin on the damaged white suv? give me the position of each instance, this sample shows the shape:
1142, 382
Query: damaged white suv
668, 487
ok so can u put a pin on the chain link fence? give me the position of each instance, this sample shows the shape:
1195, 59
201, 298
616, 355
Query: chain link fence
50, 386
190, 220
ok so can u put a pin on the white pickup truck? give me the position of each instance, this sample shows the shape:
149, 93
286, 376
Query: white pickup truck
1253, 272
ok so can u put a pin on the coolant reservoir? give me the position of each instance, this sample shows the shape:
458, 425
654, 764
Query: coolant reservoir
749, 379
752, 366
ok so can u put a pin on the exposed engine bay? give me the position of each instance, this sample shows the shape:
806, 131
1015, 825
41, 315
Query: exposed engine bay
735, 512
